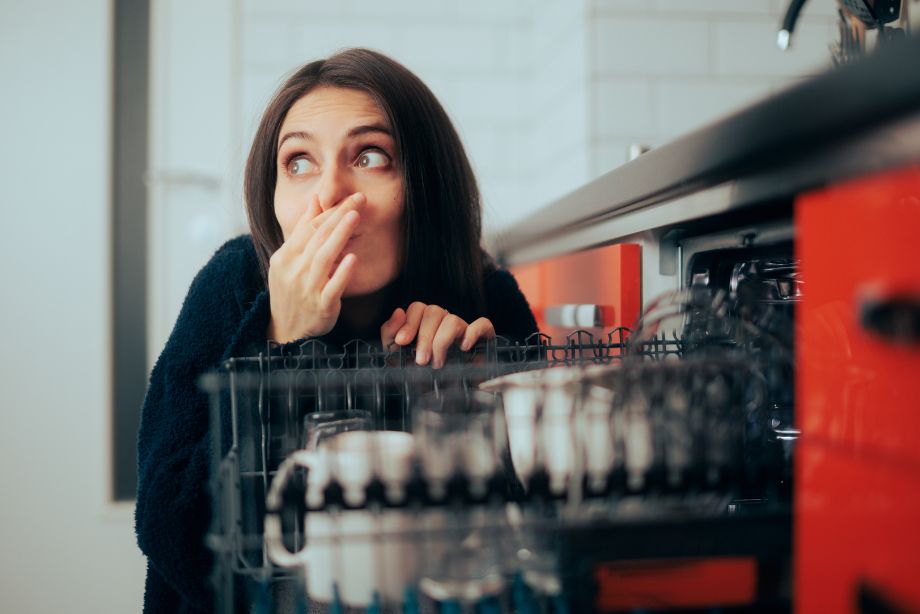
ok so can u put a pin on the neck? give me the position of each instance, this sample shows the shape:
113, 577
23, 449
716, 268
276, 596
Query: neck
362, 313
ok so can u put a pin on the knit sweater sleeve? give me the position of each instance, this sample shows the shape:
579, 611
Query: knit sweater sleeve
224, 314
507, 306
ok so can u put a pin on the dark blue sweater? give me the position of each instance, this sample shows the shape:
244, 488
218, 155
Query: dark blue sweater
225, 314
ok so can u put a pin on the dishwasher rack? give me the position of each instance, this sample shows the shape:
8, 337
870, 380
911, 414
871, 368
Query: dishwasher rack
671, 507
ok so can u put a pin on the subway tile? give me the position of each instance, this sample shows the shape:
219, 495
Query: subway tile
353, 10
622, 107
555, 28
747, 48
812, 9
441, 85
513, 48
685, 105
487, 98
717, 7
570, 171
651, 46
495, 150
558, 130
316, 40
464, 48
503, 197
316, 8
490, 11
565, 72
268, 41
618, 7
256, 90
402, 9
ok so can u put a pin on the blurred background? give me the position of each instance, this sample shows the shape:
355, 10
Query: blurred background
125, 126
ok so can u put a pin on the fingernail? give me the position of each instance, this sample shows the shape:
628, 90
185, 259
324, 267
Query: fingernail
421, 357
400, 338
358, 198
465, 345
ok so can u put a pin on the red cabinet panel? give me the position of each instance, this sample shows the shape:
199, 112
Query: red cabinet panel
676, 583
609, 276
856, 526
857, 500
858, 242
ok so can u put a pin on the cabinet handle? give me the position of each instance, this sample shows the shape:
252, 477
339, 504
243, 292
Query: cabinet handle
894, 318
576, 316
870, 599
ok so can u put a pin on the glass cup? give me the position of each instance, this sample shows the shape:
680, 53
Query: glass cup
320, 426
459, 432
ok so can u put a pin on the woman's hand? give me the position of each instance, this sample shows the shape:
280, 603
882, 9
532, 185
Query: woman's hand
307, 275
434, 331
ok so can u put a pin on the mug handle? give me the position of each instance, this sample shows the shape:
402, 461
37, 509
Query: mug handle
274, 502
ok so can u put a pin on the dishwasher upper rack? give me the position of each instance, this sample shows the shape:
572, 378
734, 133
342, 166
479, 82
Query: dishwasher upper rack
248, 452
273, 376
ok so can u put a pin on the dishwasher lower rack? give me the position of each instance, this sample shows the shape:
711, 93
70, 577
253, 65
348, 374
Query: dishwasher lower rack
545, 548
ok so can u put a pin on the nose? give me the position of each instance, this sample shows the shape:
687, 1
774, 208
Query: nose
334, 186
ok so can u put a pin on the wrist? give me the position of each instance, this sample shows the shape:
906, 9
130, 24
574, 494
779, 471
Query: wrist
284, 335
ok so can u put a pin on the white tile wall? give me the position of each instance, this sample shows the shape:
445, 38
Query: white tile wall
654, 45
624, 107
548, 93
746, 48
267, 41
316, 40
553, 23
683, 105
663, 68
723, 7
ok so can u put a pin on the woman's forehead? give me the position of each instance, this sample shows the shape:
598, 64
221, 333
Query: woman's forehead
333, 111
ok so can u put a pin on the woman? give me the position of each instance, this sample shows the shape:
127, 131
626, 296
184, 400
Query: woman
365, 223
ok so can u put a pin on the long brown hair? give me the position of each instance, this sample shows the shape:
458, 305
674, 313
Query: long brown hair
442, 262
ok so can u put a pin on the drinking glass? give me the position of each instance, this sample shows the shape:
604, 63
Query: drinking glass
459, 432
319, 426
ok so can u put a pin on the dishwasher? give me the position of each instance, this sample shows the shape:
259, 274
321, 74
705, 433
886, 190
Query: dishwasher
609, 470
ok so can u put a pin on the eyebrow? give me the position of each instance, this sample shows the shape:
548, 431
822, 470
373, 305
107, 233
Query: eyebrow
356, 131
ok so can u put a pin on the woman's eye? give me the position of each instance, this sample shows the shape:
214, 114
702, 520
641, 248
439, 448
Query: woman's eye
299, 166
372, 159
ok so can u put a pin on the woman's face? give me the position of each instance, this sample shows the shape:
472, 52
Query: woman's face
335, 142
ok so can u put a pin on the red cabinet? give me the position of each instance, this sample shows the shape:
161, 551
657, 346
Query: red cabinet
606, 276
857, 517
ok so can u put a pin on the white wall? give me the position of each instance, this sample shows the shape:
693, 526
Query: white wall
662, 68
195, 178
64, 547
556, 100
